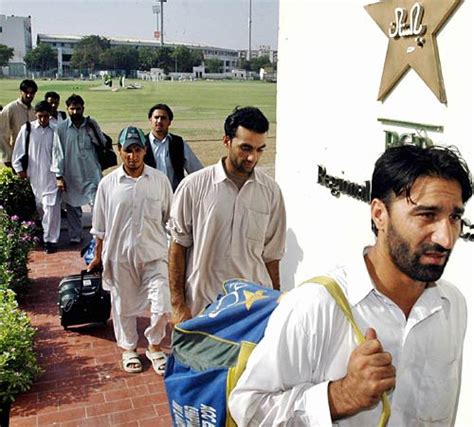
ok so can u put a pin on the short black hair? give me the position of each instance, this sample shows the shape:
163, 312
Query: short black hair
250, 118
161, 107
398, 168
75, 99
51, 94
43, 106
28, 84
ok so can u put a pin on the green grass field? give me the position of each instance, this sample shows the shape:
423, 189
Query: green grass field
200, 107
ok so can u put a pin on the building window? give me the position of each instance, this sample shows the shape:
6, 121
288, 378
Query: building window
1, 29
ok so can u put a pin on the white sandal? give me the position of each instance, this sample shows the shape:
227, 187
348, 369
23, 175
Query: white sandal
158, 361
131, 362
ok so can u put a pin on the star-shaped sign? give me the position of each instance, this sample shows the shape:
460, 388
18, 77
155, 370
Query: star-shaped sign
412, 27
251, 297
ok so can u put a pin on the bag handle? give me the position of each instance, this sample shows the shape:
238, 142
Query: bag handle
25, 158
90, 124
83, 273
336, 292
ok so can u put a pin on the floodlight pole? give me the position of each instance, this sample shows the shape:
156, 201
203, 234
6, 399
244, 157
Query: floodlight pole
162, 20
249, 52
159, 24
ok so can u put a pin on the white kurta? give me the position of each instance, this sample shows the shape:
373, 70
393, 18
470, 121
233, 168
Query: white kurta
130, 215
42, 180
56, 121
228, 233
308, 343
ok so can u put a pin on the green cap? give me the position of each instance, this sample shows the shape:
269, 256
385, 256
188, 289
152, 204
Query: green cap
131, 135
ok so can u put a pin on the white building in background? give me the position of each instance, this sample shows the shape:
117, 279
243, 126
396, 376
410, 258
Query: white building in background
331, 60
262, 50
64, 46
15, 32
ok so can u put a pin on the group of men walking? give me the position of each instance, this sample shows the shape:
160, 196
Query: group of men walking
167, 252
219, 223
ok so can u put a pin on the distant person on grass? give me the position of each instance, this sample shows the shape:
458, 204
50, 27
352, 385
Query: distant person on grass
43, 182
53, 98
168, 152
13, 116
76, 164
227, 220
131, 210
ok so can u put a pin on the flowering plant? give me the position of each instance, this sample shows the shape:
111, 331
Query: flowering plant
16, 195
18, 364
17, 239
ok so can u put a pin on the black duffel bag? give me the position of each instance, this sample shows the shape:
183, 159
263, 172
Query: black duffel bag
83, 300
105, 153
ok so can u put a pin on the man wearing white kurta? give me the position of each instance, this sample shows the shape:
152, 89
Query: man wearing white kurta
131, 209
42, 180
308, 369
227, 221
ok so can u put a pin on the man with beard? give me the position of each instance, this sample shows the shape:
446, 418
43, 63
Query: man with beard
308, 369
227, 220
131, 210
13, 116
76, 164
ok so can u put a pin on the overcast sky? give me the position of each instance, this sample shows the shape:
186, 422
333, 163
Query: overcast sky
221, 23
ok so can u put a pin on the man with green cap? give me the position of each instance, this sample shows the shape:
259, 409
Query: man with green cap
131, 209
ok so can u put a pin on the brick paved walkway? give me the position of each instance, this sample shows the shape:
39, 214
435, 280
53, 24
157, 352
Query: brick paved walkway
83, 383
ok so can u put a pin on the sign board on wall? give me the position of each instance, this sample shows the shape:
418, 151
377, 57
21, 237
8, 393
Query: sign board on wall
411, 27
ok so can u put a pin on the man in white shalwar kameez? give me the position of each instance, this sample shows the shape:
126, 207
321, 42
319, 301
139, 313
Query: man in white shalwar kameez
131, 209
42, 180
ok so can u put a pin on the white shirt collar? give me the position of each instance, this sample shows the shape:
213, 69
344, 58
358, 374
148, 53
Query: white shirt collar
429, 301
122, 174
36, 125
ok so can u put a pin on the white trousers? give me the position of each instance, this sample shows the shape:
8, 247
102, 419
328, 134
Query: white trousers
50, 218
135, 287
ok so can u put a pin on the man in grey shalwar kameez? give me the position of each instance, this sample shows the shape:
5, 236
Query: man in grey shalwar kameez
75, 163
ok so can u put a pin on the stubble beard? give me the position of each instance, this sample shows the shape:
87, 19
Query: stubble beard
241, 167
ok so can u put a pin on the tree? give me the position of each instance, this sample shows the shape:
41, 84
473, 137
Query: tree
88, 51
213, 65
6, 53
260, 62
165, 59
186, 59
255, 63
120, 58
147, 58
41, 58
